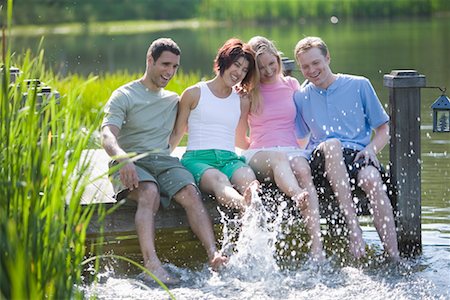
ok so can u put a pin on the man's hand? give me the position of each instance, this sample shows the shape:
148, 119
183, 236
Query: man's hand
128, 176
369, 156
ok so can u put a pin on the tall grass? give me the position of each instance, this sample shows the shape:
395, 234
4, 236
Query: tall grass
42, 239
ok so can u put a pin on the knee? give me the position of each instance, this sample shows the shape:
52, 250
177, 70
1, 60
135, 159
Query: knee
301, 167
147, 195
188, 196
331, 149
243, 176
331, 145
369, 179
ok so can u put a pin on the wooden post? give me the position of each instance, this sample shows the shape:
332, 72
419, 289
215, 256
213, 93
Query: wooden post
404, 153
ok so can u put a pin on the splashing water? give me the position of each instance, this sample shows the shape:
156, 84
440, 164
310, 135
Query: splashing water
253, 243
254, 249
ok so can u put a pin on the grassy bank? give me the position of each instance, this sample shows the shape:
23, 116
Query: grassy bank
110, 28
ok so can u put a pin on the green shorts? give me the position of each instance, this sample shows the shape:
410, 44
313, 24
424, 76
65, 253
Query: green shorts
164, 170
198, 161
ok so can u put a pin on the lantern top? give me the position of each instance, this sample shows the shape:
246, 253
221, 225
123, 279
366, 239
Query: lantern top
441, 103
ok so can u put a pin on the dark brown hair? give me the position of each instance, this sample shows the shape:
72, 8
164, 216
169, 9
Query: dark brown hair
231, 51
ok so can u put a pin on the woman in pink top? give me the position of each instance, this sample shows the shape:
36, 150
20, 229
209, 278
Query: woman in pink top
272, 149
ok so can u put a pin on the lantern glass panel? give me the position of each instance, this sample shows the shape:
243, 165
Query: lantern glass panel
443, 120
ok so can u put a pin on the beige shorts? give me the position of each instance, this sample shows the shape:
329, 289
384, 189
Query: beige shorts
291, 152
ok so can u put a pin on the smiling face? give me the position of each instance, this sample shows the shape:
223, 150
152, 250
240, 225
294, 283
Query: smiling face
315, 67
269, 68
236, 72
163, 69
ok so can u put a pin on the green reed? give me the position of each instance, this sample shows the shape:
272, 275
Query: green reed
42, 239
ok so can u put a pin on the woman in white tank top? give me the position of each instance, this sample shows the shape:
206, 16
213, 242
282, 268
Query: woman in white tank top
211, 111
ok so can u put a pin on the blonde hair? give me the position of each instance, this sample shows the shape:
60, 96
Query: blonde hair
261, 45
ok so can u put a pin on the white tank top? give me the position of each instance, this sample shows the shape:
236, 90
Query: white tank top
212, 124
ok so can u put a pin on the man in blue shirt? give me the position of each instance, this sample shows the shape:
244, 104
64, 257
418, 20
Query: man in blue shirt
339, 113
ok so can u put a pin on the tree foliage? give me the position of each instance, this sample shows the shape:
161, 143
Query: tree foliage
37, 12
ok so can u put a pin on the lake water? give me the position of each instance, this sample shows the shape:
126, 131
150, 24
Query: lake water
367, 48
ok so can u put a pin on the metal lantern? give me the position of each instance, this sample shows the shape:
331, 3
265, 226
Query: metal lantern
441, 114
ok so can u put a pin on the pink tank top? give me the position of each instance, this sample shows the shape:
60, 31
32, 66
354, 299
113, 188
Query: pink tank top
275, 125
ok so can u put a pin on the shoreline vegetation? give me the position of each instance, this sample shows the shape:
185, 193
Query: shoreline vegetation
111, 27
33, 17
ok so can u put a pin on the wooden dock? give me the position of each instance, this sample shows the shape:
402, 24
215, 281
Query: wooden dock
100, 192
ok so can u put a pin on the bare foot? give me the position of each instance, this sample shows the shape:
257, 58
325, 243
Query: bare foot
357, 246
253, 186
159, 272
217, 261
301, 198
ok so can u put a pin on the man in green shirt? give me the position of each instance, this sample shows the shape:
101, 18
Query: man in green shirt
139, 118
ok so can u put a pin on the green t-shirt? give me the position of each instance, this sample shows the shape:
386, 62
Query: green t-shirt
145, 118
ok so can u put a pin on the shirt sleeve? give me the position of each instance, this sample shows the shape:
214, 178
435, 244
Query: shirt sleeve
115, 110
374, 110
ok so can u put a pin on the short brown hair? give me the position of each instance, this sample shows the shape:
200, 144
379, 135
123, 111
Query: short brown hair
160, 45
310, 42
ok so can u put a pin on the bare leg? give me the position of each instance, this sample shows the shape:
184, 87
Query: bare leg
147, 197
215, 182
200, 223
337, 175
383, 217
275, 165
309, 207
244, 179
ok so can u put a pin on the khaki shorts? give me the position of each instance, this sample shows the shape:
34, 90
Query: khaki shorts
198, 161
164, 170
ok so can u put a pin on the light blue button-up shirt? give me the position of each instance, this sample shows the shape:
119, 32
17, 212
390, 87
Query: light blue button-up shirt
349, 110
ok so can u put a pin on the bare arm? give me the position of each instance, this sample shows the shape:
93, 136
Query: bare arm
379, 140
189, 100
128, 174
242, 140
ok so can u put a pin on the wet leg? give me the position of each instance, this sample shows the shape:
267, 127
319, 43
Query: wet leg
383, 217
147, 197
337, 175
